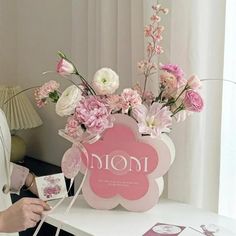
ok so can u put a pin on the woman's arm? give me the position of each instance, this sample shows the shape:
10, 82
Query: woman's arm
21, 176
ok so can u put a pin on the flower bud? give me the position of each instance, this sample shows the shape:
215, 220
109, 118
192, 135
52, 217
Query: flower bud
64, 67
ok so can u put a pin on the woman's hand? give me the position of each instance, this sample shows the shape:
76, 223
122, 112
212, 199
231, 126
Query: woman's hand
22, 215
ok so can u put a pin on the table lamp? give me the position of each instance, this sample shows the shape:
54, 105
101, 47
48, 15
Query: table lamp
20, 115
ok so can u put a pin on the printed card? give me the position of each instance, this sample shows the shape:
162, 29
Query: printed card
161, 229
211, 230
51, 187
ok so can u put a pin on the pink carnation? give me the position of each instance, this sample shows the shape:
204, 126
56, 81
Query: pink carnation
130, 99
42, 93
114, 102
39, 102
47, 88
193, 101
93, 114
73, 128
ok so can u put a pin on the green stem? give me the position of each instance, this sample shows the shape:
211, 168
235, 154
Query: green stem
22, 91
86, 83
80, 76
145, 85
185, 88
178, 109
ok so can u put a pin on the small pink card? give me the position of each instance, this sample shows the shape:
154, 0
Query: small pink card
161, 229
51, 187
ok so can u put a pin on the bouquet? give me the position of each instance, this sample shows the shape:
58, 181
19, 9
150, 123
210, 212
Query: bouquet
89, 107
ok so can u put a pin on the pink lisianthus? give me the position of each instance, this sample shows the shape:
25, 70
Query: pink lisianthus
93, 114
64, 67
176, 71
154, 120
193, 101
130, 99
194, 82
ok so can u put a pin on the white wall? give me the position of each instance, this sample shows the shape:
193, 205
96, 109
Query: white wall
44, 27
8, 42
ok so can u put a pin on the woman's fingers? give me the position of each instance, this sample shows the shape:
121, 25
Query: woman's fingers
36, 201
35, 217
38, 209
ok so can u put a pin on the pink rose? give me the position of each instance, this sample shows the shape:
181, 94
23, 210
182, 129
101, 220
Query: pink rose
194, 82
64, 67
193, 101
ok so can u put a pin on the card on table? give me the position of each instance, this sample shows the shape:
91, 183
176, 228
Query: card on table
162, 229
51, 187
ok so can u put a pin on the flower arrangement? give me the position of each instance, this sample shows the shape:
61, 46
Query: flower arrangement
89, 107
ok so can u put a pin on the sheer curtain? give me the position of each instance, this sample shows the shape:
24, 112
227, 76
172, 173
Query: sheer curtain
204, 171
228, 151
110, 33
197, 44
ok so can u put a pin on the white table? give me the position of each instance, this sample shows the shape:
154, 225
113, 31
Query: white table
85, 221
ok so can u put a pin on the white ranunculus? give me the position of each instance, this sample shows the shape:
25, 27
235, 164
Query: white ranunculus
68, 101
105, 81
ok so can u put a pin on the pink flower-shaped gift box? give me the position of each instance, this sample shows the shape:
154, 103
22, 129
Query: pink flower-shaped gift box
124, 167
